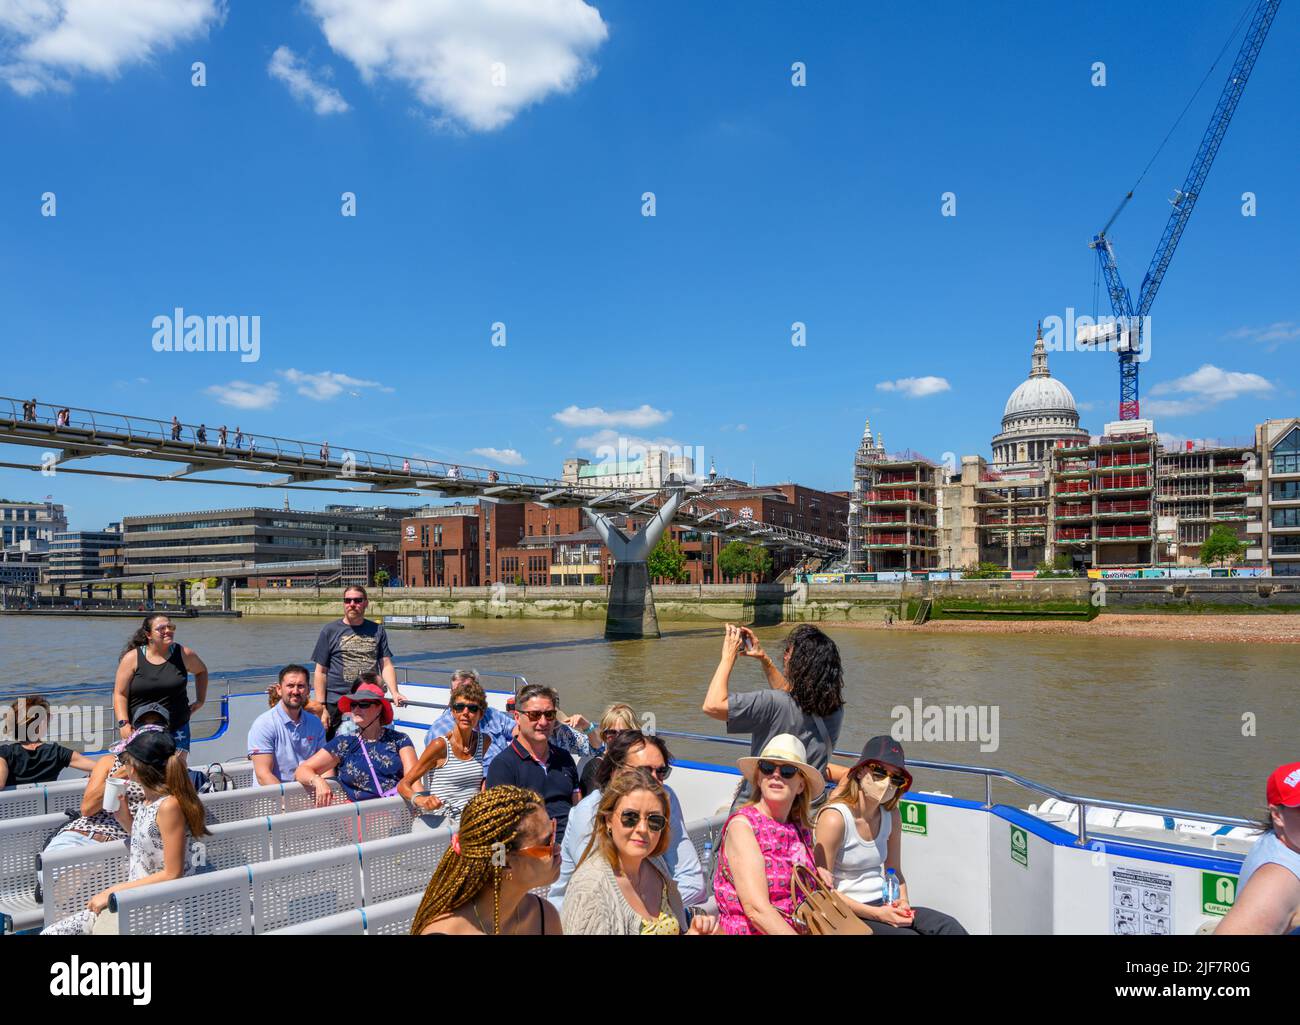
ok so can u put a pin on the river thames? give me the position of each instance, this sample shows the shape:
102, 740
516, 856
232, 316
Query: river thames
1128, 719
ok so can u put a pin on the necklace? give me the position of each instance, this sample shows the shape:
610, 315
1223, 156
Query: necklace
473, 906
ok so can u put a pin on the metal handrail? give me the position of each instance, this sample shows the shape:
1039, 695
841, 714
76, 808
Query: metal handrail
991, 774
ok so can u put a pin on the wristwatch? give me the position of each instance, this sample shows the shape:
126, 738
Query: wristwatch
122, 722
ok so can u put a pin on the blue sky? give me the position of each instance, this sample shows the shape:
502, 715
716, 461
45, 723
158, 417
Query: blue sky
521, 203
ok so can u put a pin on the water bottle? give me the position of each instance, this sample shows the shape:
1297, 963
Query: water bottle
889, 889
708, 861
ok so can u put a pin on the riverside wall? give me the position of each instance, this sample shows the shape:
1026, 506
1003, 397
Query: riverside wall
776, 603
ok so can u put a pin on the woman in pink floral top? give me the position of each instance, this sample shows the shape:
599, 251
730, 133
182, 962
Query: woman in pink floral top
765, 839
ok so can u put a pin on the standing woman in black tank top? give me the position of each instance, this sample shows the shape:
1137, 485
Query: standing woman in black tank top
154, 669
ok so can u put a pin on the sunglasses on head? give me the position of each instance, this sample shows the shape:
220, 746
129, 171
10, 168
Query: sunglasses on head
465, 706
548, 714
631, 819
879, 772
787, 771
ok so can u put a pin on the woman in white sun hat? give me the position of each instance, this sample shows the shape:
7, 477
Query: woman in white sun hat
765, 839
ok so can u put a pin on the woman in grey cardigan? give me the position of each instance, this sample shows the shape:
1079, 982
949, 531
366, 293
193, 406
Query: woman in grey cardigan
621, 886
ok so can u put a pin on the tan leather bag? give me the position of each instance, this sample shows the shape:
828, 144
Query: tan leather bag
820, 908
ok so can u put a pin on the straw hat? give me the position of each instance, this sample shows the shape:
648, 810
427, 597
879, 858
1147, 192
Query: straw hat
785, 747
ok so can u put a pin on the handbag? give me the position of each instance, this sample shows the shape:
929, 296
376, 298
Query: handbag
821, 909
374, 778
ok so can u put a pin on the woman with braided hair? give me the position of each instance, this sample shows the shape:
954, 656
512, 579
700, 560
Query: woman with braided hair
505, 848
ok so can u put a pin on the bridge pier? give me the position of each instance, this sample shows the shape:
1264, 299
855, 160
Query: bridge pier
227, 594
148, 595
631, 612
182, 592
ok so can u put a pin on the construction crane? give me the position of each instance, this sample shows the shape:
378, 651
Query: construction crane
1127, 333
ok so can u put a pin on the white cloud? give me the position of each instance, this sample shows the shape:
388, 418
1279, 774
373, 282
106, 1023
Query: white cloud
916, 387
1274, 334
557, 440
327, 384
504, 456
1203, 389
290, 69
594, 416
45, 42
245, 395
609, 444
453, 53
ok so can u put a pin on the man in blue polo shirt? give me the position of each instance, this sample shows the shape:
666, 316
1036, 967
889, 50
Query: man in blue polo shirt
533, 762
283, 736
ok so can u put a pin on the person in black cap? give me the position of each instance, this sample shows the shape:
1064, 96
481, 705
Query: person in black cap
859, 843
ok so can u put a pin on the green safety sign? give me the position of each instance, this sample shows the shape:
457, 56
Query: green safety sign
1019, 846
913, 815
1218, 893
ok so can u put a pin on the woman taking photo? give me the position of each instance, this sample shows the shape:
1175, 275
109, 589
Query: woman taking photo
859, 840
154, 668
161, 828
370, 762
505, 847
804, 697
765, 840
622, 887
455, 760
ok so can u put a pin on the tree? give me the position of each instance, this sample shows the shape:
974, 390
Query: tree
381, 578
739, 558
984, 571
667, 561
1060, 566
1222, 545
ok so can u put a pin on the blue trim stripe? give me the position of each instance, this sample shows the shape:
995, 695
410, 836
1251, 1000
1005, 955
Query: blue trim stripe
365, 926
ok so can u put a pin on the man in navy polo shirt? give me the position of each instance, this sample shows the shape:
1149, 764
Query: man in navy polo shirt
533, 762
283, 736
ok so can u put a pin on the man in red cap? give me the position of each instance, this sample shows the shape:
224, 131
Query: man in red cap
1270, 904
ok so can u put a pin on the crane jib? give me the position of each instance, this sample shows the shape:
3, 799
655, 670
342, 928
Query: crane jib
1184, 203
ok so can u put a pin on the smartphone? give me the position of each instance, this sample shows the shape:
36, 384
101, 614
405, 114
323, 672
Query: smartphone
746, 643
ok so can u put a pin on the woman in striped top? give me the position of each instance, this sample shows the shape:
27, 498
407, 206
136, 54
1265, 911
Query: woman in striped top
454, 762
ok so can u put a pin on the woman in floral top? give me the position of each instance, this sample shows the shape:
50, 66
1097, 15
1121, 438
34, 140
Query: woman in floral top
370, 762
765, 839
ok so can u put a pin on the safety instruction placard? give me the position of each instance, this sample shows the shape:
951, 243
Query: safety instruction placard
1141, 902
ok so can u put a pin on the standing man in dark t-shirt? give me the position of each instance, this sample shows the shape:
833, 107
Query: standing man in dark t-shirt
531, 761
347, 648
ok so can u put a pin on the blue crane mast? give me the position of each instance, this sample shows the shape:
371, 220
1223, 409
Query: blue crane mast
1130, 318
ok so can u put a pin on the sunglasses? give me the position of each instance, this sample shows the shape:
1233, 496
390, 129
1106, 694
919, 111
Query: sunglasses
608, 735
786, 771
354, 601
660, 772
548, 714
463, 706
879, 772
365, 704
631, 819
542, 851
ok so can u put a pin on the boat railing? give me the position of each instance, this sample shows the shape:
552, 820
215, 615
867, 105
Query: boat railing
990, 774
